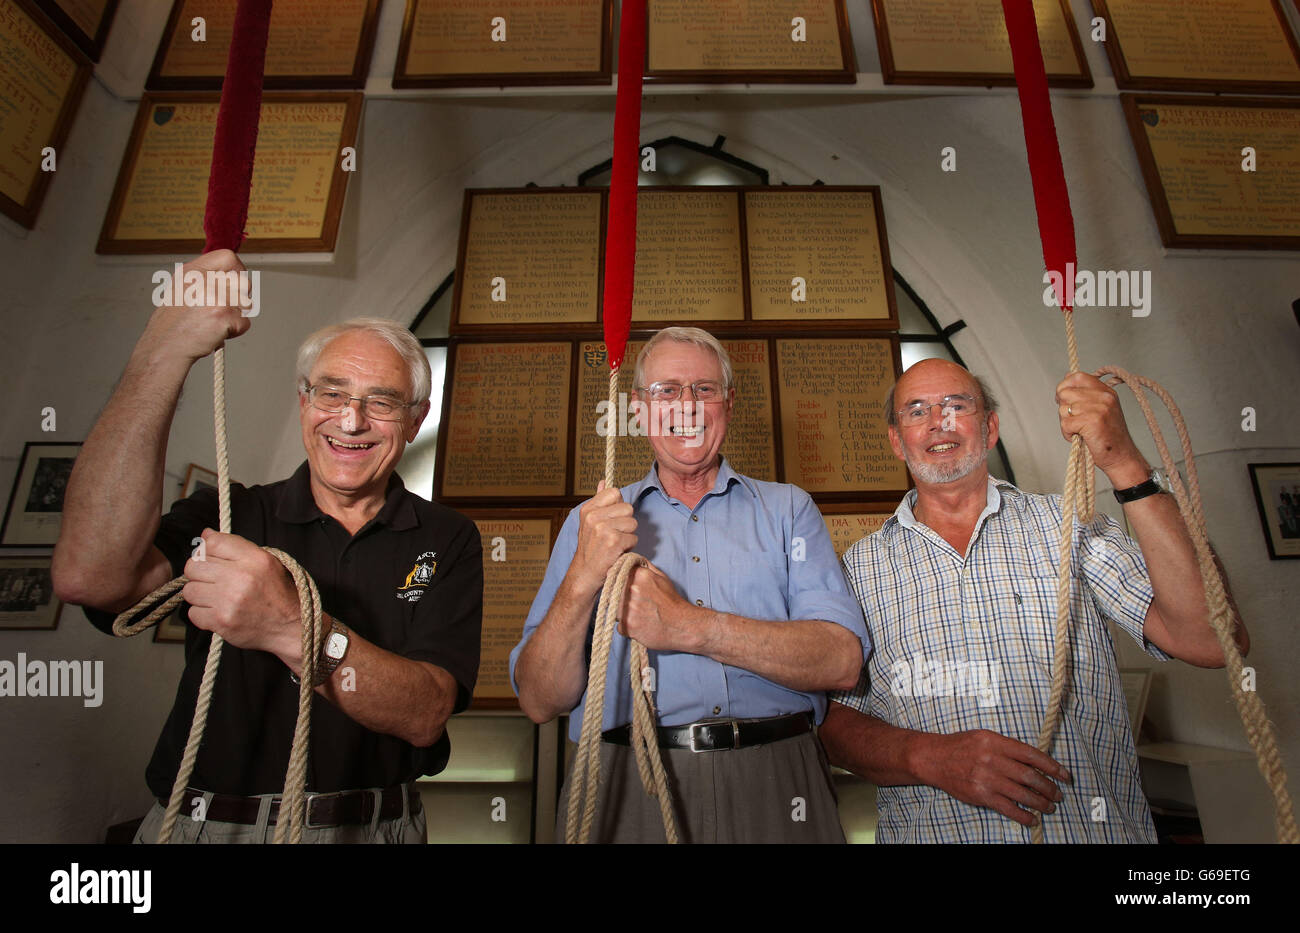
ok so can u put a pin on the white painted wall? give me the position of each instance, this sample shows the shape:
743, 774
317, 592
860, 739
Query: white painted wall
1220, 336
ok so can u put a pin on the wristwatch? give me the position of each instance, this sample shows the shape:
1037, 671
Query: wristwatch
1158, 482
332, 652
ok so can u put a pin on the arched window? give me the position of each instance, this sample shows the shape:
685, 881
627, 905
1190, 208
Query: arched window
678, 161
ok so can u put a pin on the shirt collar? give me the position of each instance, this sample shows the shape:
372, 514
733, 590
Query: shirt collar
904, 516
297, 505
726, 476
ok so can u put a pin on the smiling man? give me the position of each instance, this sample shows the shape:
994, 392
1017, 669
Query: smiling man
400, 580
961, 581
745, 612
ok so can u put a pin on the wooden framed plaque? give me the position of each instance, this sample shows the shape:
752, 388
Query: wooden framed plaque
781, 41
1244, 46
506, 422
34, 514
830, 238
689, 261
750, 445
592, 418
298, 176
42, 78
964, 42
850, 522
311, 44
830, 392
451, 43
85, 22
516, 549
529, 257
1192, 151
27, 600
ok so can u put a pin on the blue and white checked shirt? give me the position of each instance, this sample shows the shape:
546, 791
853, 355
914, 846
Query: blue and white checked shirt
966, 644
737, 551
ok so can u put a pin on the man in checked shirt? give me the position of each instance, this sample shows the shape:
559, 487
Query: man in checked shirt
959, 592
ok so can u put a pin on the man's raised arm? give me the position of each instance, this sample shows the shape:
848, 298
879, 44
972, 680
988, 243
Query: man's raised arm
105, 555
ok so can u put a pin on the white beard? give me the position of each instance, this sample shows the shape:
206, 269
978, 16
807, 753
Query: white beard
935, 473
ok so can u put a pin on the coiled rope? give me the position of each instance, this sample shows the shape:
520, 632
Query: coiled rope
292, 814
1056, 227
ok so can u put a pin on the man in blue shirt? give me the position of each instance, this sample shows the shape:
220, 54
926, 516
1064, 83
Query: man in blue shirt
745, 612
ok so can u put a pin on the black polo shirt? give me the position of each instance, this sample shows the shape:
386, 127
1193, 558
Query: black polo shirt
410, 581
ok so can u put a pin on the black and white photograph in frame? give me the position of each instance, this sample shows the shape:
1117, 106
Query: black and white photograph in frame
27, 600
34, 514
1277, 495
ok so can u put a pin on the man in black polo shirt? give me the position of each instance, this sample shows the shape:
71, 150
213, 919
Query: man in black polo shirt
400, 579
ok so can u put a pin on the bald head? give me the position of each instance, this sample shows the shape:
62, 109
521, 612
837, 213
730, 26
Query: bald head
920, 379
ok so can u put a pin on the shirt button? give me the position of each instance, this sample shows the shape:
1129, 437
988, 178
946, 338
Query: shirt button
699, 602
695, 518
696, 559
716, 710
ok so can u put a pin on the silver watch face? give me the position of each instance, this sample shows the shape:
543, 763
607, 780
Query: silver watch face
336, 645
1162, 480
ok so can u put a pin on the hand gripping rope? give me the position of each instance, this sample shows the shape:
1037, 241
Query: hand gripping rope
223, 223
1056, 228
620, 261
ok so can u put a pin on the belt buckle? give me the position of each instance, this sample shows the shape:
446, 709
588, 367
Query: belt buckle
308, 800
735, 735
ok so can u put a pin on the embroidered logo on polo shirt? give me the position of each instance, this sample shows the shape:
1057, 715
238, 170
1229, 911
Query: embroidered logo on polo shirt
417, 581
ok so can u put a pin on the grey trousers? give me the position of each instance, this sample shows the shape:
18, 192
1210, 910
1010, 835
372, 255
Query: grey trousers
408, 828
780, 792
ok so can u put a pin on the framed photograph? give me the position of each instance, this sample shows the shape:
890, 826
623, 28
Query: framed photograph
42, 78
1277, 494
171, 630
27, 600
1137, 688
34, 514
85, 21
196, 478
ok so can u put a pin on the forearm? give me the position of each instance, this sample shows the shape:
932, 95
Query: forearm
113, 502
883, 754
386, 692
1176, 584
800, 654
552, 668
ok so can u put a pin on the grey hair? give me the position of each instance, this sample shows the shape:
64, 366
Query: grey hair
691, 335
400, 338
987, 399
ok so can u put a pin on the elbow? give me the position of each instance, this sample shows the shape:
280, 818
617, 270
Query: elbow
539, 713
71, 585
850, 660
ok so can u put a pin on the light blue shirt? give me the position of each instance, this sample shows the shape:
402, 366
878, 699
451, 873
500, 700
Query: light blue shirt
756, 549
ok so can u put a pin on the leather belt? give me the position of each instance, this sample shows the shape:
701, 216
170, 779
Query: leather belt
721, 734
345, 808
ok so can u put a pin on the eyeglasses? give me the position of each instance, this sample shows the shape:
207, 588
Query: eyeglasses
671, 391
961, 406
376, 407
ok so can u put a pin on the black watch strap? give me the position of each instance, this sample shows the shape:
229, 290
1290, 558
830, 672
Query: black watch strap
1140, 491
